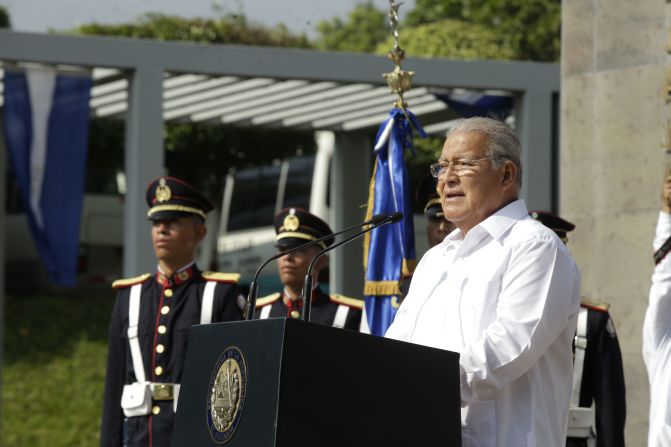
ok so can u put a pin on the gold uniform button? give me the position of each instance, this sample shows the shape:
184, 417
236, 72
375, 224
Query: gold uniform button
158, 370
165, 310
162, 329
160, 349
156, 409
295, 314
168, 292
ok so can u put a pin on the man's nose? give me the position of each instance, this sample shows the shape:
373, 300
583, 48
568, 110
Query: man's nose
447, 179
162, 227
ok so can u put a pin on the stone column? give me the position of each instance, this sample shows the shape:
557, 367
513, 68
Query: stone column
612, 160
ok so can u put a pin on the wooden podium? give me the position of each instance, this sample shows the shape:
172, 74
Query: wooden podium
283, 382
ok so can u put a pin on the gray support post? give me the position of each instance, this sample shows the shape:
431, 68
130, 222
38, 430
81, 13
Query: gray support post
350, 177
535, 128
3, 245
144, 162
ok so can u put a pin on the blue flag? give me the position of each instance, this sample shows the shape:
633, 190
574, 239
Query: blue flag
46, 120
389, 251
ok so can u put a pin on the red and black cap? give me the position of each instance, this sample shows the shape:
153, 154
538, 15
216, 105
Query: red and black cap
169, 197
427, 197
553, 222
295, 226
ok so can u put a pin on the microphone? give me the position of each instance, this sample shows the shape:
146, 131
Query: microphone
307, 288
250, 305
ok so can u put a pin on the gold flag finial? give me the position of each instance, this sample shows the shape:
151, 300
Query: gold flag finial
399, 80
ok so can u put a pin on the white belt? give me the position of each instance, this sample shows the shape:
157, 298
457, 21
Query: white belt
137, 398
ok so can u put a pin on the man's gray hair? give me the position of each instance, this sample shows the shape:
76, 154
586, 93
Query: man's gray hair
503, 143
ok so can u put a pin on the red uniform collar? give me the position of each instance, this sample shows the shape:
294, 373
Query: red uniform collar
178, 278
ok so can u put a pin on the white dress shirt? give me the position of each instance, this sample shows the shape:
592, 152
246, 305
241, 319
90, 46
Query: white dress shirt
657, 342
506, 297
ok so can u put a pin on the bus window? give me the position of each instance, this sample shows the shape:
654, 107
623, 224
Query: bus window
299, 183
254, 196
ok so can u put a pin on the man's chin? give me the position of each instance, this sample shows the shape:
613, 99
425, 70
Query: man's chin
162, 254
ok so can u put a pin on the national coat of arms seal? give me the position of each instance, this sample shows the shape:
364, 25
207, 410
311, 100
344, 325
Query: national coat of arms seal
226, 395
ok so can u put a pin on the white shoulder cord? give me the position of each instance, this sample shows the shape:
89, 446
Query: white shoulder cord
208, 303
133, 318
265, 312
579, 360
341, 316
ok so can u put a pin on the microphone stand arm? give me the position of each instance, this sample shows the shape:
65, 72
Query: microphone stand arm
307, 287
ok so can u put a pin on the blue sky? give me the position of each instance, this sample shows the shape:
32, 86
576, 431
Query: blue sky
298, 15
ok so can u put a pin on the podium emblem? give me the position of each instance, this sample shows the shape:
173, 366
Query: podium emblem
226, 395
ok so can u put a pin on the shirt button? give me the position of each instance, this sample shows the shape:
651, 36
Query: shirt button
162, 329
156, 409
158, 370
167, 292
165, 310
160, 349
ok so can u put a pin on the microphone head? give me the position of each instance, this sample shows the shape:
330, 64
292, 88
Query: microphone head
395, 217
378, 218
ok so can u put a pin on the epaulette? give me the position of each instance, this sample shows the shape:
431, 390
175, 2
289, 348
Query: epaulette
127, 282
221, 277
601, 307
269, 299
350, 302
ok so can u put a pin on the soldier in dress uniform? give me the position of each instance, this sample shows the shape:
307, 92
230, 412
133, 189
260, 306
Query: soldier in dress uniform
598, 407
295, 226
436, 225
152, 316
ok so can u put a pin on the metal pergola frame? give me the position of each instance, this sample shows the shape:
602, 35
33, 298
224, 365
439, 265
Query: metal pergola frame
144, 63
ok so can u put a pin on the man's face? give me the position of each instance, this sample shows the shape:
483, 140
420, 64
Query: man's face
176, 239
436, 230
294, 266
470, 196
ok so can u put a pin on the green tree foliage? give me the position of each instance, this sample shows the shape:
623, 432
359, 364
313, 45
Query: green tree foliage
230, 28
531, 28
363, 29
451, 38
4, 18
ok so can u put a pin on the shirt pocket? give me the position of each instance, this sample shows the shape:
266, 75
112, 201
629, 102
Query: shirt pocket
479, 424
479, 299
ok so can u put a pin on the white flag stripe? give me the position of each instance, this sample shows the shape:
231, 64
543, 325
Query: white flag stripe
41, 83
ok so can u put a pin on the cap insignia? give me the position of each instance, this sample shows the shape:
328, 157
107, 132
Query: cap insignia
163, 192
291, 222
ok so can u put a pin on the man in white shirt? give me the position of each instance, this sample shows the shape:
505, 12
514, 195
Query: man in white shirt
502, 290
657, 330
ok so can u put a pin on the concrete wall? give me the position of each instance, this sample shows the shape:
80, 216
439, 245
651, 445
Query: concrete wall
612, 161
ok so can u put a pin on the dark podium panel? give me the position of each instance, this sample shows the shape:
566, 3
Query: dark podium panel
312, 385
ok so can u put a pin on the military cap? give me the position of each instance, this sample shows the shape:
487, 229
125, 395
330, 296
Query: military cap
427, 197
553, 222
169, 197
296, 226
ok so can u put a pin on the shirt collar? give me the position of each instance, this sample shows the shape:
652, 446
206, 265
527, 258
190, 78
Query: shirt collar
496, 224
499, 222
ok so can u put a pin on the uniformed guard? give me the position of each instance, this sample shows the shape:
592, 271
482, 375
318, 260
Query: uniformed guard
436, 225
295, 226
152, 316
598, 409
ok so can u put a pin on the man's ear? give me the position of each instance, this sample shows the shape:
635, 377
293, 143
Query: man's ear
509, 173
322, 262
201, 231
